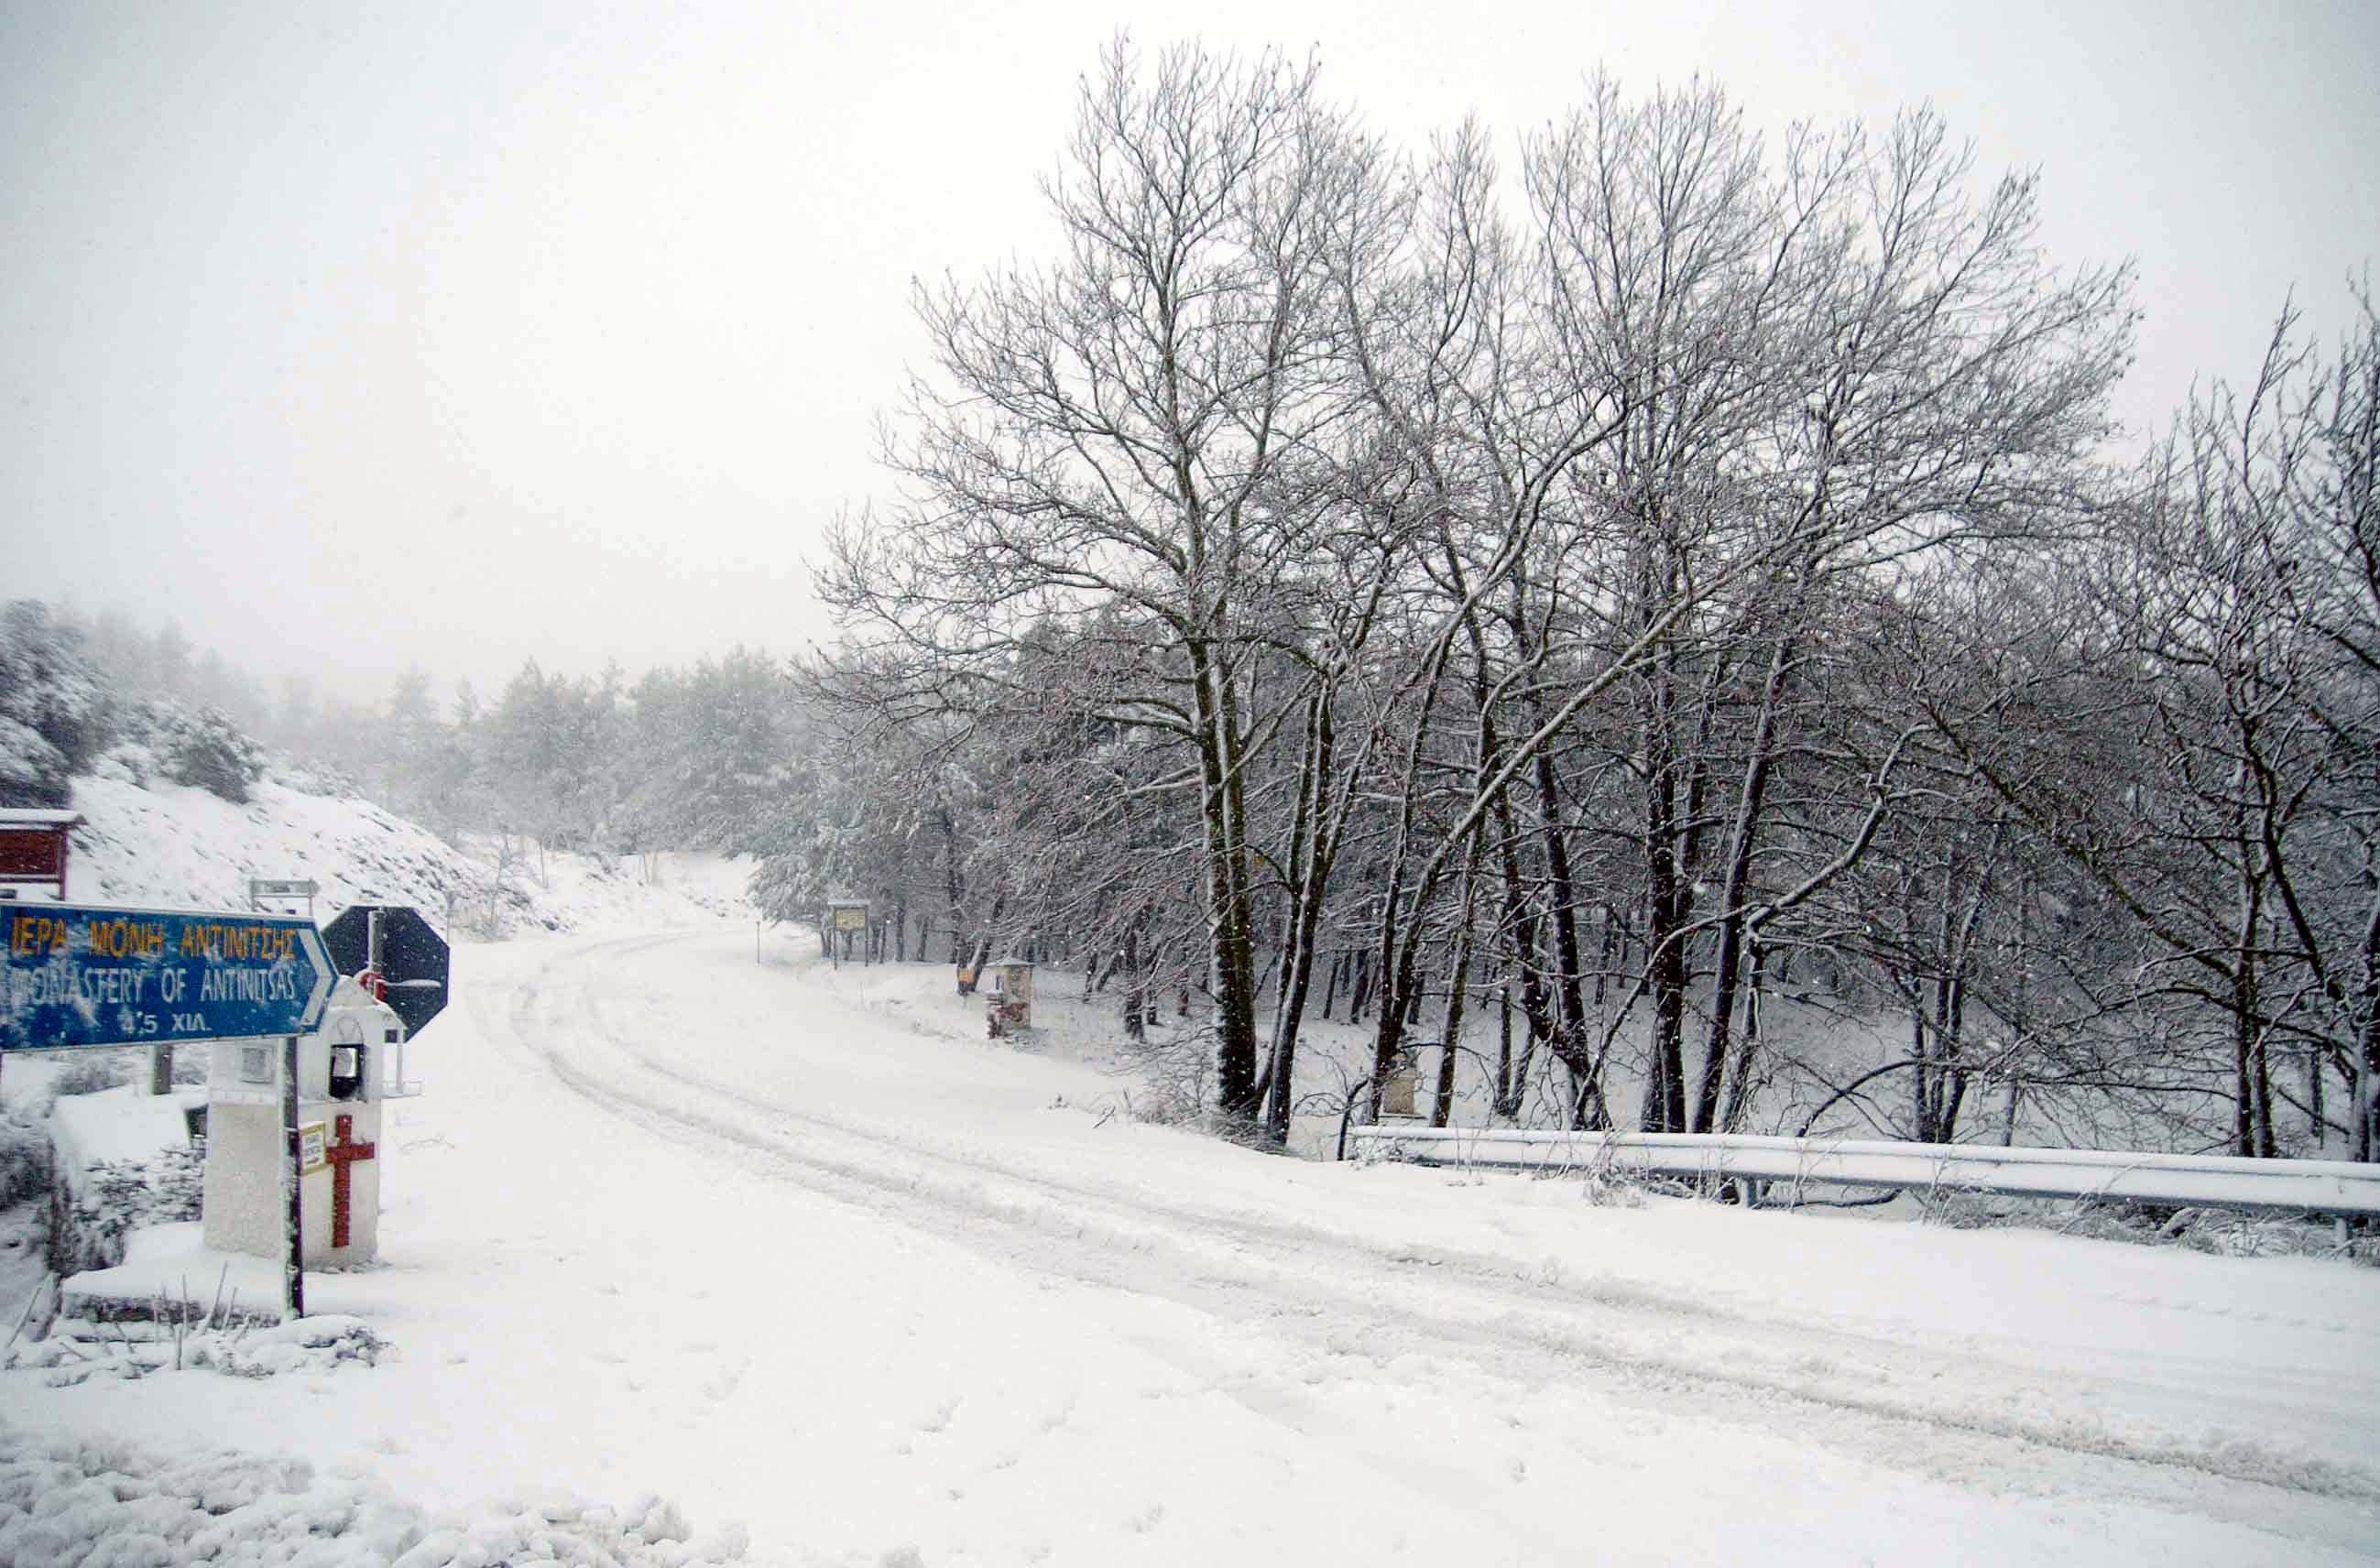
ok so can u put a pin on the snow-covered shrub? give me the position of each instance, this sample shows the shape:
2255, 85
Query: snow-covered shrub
2224, 1233
49, 707
310, 1344
93, 1501
128, 762
118, 1197
32, 771
316, 778
24, 1160
212, 754
1163, 1104
88, 1072
1609, 1185
2228, 1235
160, 738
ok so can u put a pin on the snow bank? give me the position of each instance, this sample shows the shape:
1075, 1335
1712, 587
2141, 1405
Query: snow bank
82, 1502
123, 1123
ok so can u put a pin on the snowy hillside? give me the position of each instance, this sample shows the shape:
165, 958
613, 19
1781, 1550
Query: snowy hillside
171, 846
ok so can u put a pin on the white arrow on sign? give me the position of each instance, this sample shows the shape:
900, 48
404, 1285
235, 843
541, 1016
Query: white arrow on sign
320, 997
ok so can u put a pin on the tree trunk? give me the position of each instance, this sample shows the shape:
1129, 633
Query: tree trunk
1312, 851
1504, 1096
2365, 1038
954, 888
1747, 1056
1136, 983
1230, 953
1569, 1039
2246, 1043
1737, 887
1665, 898
1522, 935
1458, 982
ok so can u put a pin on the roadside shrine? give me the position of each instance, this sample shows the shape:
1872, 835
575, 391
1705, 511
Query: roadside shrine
1008, 998
347, 1070
302, 1056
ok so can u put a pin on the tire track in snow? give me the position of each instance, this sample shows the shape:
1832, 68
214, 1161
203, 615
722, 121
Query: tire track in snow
1250, 1272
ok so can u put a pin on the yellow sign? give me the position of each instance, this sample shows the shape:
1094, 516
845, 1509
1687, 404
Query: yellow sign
851, 917
309, 1148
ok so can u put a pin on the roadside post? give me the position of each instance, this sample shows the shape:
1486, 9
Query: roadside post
848, 917
1398, 1088
293, 1212
259, 888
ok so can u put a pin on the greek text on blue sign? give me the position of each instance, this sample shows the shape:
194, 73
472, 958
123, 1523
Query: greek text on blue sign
78, 976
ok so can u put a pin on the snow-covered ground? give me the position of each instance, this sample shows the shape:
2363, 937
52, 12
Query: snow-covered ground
694, 1215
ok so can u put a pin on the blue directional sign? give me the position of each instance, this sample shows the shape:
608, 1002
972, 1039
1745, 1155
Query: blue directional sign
79, 976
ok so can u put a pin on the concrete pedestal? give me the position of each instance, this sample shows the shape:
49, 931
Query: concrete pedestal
243, 1181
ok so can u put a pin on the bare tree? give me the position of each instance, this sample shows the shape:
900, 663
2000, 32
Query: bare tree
1140, 425
2226, 692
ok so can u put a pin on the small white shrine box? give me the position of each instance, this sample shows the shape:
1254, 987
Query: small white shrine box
1008, 997
345, 1068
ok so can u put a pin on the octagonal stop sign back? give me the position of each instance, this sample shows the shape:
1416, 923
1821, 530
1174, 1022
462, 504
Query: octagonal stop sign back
412, 958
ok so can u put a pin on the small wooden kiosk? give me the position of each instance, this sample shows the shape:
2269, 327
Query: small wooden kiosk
33, 846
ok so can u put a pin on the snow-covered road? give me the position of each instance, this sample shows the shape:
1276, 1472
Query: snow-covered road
796, 1248
1447, 1340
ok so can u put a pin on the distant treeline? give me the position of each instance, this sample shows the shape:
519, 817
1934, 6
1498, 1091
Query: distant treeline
689, 759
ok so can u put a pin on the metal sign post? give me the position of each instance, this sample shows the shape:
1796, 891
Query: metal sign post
293, 1215
848, 917
263, 888
394, 955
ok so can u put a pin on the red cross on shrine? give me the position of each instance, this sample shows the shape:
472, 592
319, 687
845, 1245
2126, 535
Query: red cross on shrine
341, 1153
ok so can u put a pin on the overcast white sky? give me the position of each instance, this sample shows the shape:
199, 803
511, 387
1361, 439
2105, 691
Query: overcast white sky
353, 336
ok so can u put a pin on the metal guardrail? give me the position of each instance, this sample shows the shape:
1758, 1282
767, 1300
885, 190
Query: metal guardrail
2317, 1186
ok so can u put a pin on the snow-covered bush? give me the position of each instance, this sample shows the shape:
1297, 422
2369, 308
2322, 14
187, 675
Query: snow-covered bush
2223, 1233
32, 771
316, 778
208, 751
160, 738
128, 762
69, 1499
118, 1197
49, 707
88, 1072
318, 1343
24, 1160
